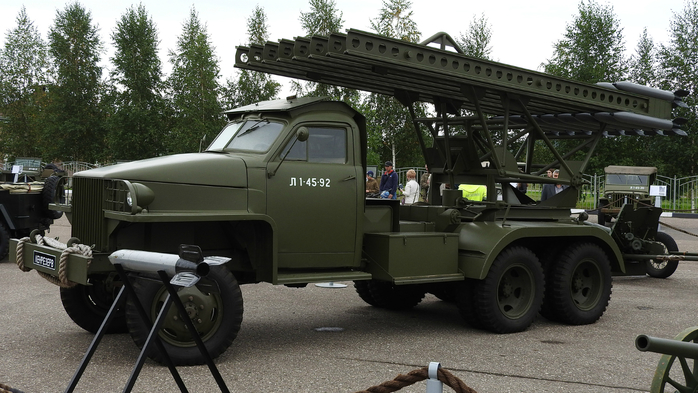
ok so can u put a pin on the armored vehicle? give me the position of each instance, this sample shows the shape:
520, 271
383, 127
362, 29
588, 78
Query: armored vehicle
625, 184
280, 192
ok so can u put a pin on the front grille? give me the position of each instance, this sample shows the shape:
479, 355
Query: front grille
115, 196
88, 219
617, 200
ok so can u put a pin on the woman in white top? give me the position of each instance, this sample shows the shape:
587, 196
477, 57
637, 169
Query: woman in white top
411, 191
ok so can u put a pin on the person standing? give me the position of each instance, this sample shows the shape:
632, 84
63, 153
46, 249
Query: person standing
424, 182
388, 185
411, 191
371, 185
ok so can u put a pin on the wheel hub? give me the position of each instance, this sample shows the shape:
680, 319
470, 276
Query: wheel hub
201, 309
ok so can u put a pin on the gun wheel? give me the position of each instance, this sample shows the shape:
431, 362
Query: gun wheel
663, 269
684, 377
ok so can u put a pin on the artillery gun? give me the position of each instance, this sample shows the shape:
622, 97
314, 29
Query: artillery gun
280, 194
677, 366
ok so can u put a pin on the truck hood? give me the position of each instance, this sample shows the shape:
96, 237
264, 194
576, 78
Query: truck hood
211, 169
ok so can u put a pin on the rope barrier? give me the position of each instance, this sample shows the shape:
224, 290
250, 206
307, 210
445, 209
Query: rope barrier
62, 279
414, 376
6, 389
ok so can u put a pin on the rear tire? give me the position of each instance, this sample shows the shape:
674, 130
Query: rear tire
579, 288
663, 269
362, 288
385, 294
465, 300
509, 298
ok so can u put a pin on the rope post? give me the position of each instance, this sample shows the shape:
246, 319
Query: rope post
433, 383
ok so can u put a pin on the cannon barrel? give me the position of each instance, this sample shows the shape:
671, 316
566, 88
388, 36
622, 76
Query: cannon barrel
152, 262
683, 349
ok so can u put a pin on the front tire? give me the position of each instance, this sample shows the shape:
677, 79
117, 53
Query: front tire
663, 269
579, 286
216, 314
87, 305
509, 298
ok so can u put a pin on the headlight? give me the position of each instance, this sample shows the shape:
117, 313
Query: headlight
124, 196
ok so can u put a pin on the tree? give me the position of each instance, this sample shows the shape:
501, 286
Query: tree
592, 51
323, 19
643, 64
679, 70
136, 128
252, 86
476, 41
23, 77
592, 48
390, 132
74, 120
193, 89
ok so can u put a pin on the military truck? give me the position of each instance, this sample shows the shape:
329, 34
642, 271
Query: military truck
25, 195
623, 185
280, 192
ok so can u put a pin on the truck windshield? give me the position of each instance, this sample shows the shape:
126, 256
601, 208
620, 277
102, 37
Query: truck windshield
618, 179
249, 135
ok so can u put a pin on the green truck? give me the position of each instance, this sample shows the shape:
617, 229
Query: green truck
281, 193
625, 185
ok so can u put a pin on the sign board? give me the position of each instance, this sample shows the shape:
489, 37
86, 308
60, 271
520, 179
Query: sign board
17, 169
658, 191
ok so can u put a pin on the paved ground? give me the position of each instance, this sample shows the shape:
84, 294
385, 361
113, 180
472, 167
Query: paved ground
279, 348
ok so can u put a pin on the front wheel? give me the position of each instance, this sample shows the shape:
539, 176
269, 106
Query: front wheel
663, 269
215, 310
579, 286
509, 298
87, 305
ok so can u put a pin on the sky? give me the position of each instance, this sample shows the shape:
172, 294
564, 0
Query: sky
523, 32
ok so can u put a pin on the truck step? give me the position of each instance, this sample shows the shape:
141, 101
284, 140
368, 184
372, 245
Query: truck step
300, 278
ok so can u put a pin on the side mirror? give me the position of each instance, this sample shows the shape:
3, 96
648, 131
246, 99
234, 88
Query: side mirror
302, 134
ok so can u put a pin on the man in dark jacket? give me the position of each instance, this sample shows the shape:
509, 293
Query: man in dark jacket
389, 182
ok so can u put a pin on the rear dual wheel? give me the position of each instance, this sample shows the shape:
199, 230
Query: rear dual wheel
509, 298
578, 285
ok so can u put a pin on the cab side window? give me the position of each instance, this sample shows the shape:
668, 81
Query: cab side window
324, 145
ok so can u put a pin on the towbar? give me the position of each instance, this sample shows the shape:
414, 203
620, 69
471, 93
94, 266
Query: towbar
663, 257
665, 346
172, 264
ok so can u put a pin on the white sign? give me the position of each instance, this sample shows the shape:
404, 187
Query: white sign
658, 191
17, 168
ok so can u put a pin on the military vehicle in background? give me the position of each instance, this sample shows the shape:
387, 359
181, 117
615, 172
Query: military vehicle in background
280, 192
623, 185
26, 190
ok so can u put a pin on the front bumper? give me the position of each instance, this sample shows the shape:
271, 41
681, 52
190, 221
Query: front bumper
47, 260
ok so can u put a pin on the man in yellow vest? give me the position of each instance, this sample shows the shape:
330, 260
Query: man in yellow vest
474, 192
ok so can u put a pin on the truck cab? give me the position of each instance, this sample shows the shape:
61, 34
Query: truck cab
625, 185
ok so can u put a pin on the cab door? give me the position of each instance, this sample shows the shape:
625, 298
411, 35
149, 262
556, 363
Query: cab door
313, 199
